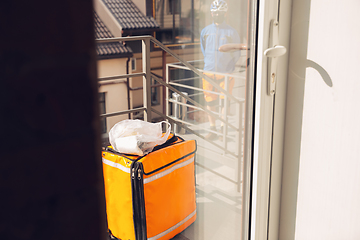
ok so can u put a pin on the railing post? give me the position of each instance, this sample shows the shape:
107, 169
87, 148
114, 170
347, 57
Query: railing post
183, 112
167, 95
146, 78
184, 108
176, 110
226, 105
240, 145
164, 75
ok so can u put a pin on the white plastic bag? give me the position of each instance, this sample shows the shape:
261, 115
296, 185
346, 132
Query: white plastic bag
137, 137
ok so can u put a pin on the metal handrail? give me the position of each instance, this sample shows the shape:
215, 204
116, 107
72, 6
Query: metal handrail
191, 100
192, 68
147, 108
121, 76
174, 55
183, 125
122, 112
187, 66
201, 90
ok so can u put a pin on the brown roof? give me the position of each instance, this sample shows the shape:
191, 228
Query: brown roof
108, 50
129, 16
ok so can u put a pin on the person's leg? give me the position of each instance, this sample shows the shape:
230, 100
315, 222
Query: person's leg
210, 99
211, 136
223, 102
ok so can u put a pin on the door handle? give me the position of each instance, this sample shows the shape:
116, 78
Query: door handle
273, 53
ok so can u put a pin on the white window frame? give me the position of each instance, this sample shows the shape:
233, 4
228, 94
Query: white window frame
269, 125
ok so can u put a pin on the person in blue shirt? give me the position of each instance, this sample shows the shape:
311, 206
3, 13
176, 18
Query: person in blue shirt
212, 38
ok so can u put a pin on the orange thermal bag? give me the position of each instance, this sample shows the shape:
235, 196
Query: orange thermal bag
153, 196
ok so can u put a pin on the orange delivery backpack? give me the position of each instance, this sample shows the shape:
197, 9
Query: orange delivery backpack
152, 196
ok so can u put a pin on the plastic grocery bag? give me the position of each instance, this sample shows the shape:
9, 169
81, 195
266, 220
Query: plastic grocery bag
137, 137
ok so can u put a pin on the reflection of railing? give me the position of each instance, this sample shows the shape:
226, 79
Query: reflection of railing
177, 101
147, 109
146, 74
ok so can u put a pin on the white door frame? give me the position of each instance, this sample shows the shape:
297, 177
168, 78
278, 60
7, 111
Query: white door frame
269, 125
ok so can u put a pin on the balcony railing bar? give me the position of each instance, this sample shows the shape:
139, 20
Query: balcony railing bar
188, 105
185, 79
140, 88
193, 111
192, 68
201, 70
194, 88
183, 125
123, 39
147, 109
194, 125
193, 61
179, 66
201, 61
190, 100
184, 104
112, 82
238, 100
195, 94
191, 106
122, 76
123, 112
163, 47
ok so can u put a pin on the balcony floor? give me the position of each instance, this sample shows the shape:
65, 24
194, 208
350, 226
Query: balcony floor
218, 198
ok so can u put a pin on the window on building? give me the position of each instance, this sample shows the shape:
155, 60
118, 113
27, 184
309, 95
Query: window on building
178, 20
155, 94
174, 6
133, 64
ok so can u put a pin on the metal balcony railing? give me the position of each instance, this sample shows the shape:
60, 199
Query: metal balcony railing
183, 100
178, 101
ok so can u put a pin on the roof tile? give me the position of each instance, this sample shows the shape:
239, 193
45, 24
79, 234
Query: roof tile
125, 11
108, 49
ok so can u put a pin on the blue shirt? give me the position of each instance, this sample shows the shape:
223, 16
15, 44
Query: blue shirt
211, 38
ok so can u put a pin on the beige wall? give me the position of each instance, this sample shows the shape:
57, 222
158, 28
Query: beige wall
321, 180
141, 4
115, 94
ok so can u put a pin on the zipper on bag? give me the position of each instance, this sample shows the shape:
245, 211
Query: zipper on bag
138, 200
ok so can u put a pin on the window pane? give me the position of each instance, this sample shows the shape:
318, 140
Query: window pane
178, 20
208, 96
214, 118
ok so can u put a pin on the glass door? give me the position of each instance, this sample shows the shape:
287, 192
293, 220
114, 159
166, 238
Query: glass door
232, 122
209, 68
